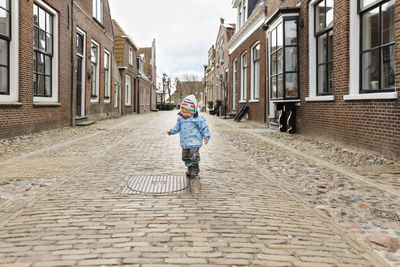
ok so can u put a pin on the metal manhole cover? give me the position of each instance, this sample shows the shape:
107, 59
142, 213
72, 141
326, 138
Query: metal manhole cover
156, 185
385, 214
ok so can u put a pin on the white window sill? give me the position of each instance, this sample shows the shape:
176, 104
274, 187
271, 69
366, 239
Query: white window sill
16, 104
107, 101
372, 96
243, 101
254, 101
46, 104
128, 105
94, 100
320, 98
286, 101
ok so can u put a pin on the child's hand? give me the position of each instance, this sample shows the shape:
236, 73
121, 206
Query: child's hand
205, 141
168, 133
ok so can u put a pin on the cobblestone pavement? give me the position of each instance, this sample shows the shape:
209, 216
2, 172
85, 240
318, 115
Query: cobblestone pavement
60, 201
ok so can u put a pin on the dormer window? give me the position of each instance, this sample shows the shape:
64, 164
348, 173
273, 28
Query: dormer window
98, 10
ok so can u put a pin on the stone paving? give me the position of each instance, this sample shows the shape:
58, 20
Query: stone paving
257, 205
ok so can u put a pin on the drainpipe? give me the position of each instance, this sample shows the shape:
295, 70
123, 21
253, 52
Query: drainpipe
72, 62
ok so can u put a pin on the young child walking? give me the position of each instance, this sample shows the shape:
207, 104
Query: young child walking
193, 130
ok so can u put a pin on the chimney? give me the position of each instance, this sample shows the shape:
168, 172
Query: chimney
222, 20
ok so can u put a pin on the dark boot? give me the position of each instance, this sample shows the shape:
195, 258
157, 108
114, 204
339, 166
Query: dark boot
189, 171
195, 170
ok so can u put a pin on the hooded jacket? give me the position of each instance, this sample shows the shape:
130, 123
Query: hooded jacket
192, 129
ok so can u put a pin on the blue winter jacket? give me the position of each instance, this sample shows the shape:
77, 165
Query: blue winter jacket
192, 130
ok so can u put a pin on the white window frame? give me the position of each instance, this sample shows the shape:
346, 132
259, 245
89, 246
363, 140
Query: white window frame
54, 63
243, 78
108, 89
240, 15
115, 94
13, 56
244, 15
254, 95
312, 57
130, 55
96, 99
128, 90
98, 10
83, 96
354, 82
234, 83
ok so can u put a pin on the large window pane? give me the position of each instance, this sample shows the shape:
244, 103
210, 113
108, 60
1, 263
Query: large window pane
42, 19
48, 65
40, 63
291, 58
42, 40
47, 88
49, 43
5, 4
274, 86
322, 48
364, 3
388, 22
370, 70
280, 85
322, 83
330, 45
273, 40
36, 15
280, 61
4, 23
3, 80
41, 85
388, 67
291, 85
370, 29
280, 36
290, 32
329, 13
3, 52
320, 16
273, 64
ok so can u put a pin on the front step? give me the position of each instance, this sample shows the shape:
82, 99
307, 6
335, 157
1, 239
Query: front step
82, 121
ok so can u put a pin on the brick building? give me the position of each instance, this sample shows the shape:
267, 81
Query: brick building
222, 62
125, 51
148, 54
332, 69
35, 70
92, 35
46, 74
247, 54
209, 76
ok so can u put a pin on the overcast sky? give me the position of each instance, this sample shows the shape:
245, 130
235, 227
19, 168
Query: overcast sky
184, 30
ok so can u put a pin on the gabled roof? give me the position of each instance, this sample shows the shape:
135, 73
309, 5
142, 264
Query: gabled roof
118, 31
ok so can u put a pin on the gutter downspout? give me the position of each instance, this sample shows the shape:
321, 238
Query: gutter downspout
72, 62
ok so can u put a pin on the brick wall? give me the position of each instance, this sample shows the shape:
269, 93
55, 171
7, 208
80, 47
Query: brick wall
19, 120
370, 124
256, 109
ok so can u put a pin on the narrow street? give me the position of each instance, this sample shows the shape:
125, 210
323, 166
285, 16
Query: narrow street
266, 199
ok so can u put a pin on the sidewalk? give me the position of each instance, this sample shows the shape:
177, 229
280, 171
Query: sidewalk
250, 211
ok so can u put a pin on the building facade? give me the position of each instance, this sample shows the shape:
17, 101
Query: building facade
35, 69
209, 77
145, 87
225, 34
148, 55
92, 36
247, 61
125, 51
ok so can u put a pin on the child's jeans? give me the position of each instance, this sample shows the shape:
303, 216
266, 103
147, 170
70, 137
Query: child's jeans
191, 156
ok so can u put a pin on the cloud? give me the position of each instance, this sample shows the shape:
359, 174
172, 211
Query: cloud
184, 29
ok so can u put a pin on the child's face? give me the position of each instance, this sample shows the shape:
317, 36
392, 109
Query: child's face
186, 113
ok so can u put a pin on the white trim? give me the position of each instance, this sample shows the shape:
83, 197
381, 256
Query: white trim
242, 101
254, 101
83, 95
115, 86
252, 81
234, 83
354, 82
128, 91
371, 96
54, 63
320, 98
286, 101
253, 23
14, 57
243, 77
130, 55
97, 98
109, 77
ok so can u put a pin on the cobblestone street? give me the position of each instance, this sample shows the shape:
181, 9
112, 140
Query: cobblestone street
266, 198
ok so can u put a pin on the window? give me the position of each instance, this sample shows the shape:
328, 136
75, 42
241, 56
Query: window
43, 52
377, 45
323, 31
5, 39
283, 55
128, 92
240, 16
130, 56
94, 59
98, 10
244, 15
255, 72
235, 65
243, 87
107, 76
